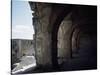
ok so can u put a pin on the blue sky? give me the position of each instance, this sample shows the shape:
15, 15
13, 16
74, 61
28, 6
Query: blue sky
22, 27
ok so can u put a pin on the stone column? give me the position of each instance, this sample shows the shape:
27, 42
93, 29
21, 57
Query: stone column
43, 49
42, 35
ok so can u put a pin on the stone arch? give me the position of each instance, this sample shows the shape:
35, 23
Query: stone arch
75, 40
54, 31
70, 34
51, 16
83, 29
63, 46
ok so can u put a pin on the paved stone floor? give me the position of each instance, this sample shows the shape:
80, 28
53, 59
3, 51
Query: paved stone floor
27, 63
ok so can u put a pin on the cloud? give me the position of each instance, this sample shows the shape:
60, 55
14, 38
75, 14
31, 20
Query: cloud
22, 31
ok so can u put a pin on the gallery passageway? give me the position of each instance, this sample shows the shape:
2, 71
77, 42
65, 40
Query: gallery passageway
65, 36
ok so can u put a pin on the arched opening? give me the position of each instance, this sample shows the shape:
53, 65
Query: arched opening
75, 42
63, 39
61, 34
22, 50
59, 18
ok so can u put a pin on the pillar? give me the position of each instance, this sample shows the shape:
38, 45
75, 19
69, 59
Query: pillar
42, 35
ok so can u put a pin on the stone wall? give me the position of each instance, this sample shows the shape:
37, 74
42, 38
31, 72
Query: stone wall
43, 48
60, 31
21, 47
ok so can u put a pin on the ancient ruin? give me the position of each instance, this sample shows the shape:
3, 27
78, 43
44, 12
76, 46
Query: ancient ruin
65, 36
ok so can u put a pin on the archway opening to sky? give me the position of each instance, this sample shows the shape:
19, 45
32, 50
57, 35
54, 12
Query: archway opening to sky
22, 40
21, 20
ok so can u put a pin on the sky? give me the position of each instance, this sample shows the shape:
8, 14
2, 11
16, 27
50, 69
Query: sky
22, 27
